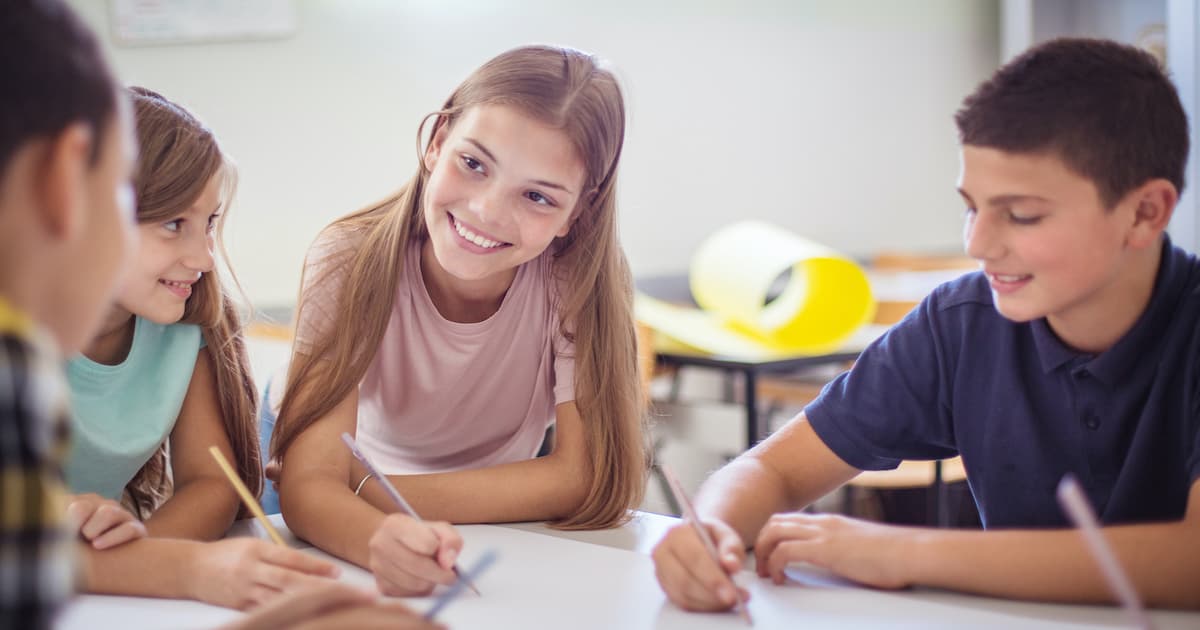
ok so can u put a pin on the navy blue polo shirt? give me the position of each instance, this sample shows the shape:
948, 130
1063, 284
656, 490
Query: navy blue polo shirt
1022, 408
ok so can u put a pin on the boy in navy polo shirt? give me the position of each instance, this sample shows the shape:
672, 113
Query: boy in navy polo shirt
1076, 349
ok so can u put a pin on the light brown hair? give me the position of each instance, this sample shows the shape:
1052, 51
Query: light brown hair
569, 90
178, 157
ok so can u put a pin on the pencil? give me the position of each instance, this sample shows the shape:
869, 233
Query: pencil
1074, 502
247, 498
689, 515
395, 496
449, 594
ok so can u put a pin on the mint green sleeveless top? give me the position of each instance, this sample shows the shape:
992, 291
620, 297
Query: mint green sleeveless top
122, 413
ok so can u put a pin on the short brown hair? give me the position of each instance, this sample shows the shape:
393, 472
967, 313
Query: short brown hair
1108, 110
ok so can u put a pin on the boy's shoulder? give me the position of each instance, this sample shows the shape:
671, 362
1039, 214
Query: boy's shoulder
1188, 309
33, 397
960, 294
33, 446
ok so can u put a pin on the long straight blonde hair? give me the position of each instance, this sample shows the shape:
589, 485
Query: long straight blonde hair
569, 90
178, 157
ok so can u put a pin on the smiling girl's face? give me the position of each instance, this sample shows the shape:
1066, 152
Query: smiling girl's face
502, 186
174, 253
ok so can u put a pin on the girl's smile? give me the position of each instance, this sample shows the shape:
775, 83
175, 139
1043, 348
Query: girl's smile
180, 289
473, 239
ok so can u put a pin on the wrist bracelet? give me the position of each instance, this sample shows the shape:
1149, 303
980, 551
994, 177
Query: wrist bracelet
362, 483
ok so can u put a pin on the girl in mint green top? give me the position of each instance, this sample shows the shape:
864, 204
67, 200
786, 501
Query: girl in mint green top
166, 379
168, 375
124, 412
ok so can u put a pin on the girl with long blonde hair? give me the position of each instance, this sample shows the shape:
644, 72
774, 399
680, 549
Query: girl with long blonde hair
166, 378
452, 324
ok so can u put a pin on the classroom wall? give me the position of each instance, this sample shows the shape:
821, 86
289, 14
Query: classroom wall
831, 118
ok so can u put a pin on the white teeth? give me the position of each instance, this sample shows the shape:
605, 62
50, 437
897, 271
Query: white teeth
1009, 278
473, 237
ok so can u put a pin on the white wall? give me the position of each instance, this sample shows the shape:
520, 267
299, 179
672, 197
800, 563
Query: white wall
1183, 54
831, 118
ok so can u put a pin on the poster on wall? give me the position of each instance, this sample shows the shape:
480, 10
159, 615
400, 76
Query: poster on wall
158, 22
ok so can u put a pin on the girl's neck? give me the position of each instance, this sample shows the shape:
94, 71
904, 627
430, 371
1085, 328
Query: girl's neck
111, 346
458, 300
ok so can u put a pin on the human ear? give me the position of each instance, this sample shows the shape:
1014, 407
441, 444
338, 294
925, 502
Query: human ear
435, 143
1154, 204
61, 181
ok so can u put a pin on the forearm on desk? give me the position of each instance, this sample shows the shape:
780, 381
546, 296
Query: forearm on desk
743, 494
150, 567
541, 489
785, 472
324, 511
1162, 559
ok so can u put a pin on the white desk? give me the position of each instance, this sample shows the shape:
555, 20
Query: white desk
605, 580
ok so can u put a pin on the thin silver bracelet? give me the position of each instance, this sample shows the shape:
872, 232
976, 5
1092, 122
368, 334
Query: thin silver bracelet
362, 483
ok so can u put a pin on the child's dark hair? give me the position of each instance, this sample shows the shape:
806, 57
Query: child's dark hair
1106, 109
53, 75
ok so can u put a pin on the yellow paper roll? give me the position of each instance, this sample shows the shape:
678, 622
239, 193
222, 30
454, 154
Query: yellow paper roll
826, 298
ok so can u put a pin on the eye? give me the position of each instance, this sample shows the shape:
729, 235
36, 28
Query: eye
539, 198
173, 226
212, 221
1023, 220
472, 164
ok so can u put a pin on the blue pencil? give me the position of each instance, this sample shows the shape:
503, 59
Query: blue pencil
449, 594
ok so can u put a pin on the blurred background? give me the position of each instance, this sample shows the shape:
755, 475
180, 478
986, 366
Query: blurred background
829, 118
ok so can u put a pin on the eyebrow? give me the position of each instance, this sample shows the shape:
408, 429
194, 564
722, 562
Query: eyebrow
540, 182
1004, 200
215, 210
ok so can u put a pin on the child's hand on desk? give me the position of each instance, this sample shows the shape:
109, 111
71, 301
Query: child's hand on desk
333, 607
687, 573
410, 557
868, 553
244, 573
104, 522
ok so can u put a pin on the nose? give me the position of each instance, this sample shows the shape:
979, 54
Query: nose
199, 252
981, 236
488, 205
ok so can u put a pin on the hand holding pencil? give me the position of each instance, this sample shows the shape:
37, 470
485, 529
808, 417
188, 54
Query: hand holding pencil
409, 556
244, 573
695, 576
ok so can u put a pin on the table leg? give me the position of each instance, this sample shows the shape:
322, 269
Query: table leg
754, 432
938, 515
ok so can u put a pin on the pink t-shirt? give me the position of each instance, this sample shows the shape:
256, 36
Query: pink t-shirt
442, 395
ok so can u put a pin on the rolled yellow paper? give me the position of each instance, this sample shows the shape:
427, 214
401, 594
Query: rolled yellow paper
825, 299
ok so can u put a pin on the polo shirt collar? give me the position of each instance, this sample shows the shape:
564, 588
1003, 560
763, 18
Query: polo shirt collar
1112, 365
1052, 352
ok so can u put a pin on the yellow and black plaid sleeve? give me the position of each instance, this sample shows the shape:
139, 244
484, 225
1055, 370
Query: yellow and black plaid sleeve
36, 564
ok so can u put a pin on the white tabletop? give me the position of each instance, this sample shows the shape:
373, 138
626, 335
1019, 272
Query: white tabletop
546, 578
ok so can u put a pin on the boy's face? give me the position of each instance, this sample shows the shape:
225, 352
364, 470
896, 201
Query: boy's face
1039, 230
107, 237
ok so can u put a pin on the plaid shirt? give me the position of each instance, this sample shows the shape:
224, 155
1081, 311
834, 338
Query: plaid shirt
36, 546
